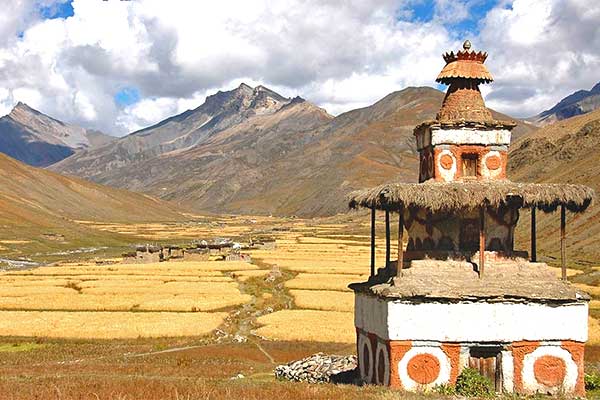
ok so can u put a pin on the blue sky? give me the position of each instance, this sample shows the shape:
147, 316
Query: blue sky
57, 10
446, 11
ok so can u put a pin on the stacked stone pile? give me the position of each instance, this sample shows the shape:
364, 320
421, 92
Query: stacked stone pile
317, 368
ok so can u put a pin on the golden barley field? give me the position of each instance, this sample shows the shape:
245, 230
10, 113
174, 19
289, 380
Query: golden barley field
309, 325
319, 260
108, 325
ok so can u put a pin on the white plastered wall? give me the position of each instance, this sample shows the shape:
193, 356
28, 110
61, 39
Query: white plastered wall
494, 322
492, 137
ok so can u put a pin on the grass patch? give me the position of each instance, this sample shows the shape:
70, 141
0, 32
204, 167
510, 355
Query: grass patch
18, 347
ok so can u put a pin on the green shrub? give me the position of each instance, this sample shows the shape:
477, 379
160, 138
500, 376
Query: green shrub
445, 389
592, 381
471, 383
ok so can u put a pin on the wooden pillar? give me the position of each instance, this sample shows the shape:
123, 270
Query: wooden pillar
373, 241
400, 237
481, 240
387, 238
533, 236
563, 244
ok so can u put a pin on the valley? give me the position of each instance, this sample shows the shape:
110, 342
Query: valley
177, 329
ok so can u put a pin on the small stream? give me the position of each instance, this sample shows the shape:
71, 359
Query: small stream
7, 264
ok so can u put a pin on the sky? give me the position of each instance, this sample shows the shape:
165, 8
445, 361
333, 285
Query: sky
118, 66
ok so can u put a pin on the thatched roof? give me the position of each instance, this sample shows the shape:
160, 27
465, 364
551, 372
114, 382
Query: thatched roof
452, 196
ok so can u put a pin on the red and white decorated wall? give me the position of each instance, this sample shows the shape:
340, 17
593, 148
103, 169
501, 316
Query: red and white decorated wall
416, 346
443, 151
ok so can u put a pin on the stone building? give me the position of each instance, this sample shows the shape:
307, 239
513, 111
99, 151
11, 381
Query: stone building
459, 294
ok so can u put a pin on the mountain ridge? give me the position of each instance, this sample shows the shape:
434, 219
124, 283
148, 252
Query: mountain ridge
40, 140
279, 160
577, 103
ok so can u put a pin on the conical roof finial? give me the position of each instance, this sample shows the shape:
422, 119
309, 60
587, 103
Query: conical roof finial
467, 45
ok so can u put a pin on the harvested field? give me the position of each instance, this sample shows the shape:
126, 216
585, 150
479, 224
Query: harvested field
309, 325
306, 310
123, 302
324, 281
107, 325
181, 287
324, 300
198, 268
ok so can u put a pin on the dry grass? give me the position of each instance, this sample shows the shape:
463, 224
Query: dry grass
592, 290
570, 272
199, 268
324, 281
107, 325
243, 276
323, 300
196, 286
593, 331
148, 301
174, 288
8, 292
308, 325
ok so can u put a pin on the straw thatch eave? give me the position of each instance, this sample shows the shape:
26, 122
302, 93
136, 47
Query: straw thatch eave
456, 196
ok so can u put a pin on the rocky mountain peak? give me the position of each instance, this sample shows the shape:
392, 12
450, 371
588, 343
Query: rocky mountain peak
37, 139
22, 111
577, 103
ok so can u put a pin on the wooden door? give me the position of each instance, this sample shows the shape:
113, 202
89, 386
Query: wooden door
489, 364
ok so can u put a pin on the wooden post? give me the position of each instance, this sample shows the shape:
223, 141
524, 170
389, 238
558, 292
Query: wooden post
481, 240
387, 238
533, 236
373, 241
400, 237
563, 244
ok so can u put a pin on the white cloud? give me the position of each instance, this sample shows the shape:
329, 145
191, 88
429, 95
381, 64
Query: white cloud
338, 54
541, 51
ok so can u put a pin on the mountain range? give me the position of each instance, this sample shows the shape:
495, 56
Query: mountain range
250, 150
563, 152
39, 140
580, 102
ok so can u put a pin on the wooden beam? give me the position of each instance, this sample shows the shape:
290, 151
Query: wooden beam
387, 238
400, 239
481, 240
533, 236
563, 242
373, 241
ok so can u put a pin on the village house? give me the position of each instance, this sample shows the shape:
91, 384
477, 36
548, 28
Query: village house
460, 295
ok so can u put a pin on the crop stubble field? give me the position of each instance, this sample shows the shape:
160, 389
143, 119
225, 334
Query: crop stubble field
179, 312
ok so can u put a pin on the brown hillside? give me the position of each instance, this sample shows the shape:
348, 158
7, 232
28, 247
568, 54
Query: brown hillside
290, 158
566, 152
39, 210
30, 192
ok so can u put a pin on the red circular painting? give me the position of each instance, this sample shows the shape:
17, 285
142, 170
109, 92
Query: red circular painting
446, 161
423, 368
492, 162
550, 370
